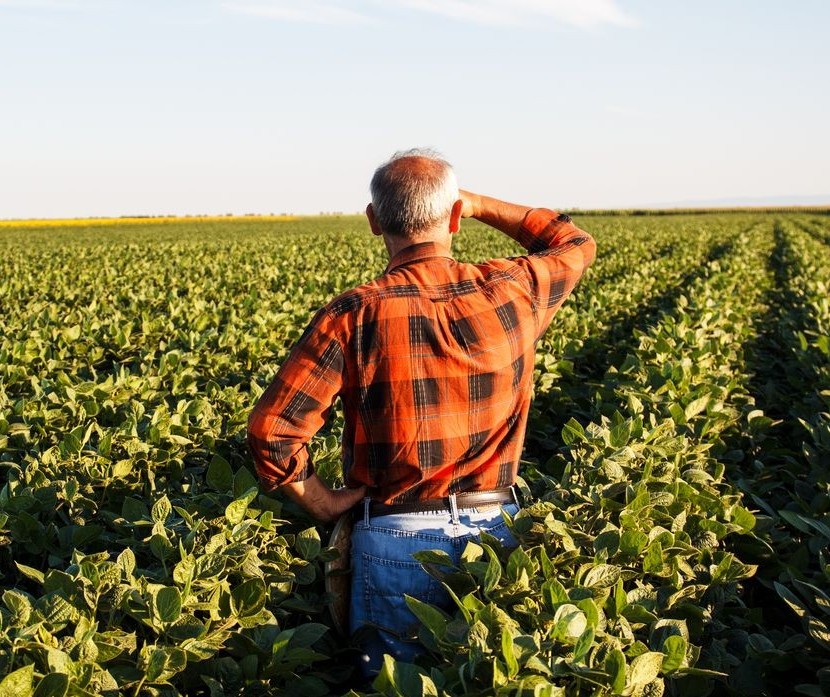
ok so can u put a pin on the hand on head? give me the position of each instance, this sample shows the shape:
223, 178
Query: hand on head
469, 203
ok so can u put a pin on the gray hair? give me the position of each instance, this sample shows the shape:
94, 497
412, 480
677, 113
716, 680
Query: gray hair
412, 192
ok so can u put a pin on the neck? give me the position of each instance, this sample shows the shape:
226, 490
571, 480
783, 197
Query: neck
395, 245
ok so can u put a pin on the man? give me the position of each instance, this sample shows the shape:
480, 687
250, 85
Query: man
433, 362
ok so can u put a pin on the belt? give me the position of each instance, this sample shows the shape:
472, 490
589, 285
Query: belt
464, 499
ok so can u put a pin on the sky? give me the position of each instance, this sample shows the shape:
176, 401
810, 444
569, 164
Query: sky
151, 107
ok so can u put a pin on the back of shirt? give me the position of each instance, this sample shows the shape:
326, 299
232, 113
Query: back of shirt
434, 363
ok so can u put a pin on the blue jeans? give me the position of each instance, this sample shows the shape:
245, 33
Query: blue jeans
383, 570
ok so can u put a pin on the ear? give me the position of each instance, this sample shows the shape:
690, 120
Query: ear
373, 223
455, 216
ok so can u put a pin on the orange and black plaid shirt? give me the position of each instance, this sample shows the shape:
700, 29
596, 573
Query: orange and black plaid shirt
433, 362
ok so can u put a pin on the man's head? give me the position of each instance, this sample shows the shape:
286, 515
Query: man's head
414, 197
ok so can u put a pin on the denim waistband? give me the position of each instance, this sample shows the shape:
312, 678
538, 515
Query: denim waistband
452, 504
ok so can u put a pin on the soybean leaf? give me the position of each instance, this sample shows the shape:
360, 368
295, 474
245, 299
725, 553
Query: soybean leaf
696, 406
554, 593
508, 653
570, 622
821, 599
743, 518
492, 575
583, 644
52, 685
435, 557
19, 605
249, 597
134, 509
161, 510
307, 634
620, 434
308, 544
219, 474
126, 560
209, 566
122, 468
791, 599
235, 510
431, 617
607, 543
615, 668
519, 563
572, 432
632, 542
403, 680
819, 632
795, 520
168, 603
243, 481
646, 667
18, 683
201, 649
601, 576
29, 572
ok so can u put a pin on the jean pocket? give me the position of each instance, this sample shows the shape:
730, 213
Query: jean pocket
387, 582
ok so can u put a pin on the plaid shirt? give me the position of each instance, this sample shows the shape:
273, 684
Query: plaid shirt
433, 362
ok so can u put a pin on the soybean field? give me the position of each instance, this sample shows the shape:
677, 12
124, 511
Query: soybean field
676, 537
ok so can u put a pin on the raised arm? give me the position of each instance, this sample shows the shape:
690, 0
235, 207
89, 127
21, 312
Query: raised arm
559, 252
505, 217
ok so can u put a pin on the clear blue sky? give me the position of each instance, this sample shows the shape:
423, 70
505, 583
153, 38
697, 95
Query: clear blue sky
113, 107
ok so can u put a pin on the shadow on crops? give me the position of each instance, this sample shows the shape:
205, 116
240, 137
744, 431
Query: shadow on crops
572, 395
776, 373
773, 473
610, 347
782, 374
665, 250
815, 230
782, 382
599, 353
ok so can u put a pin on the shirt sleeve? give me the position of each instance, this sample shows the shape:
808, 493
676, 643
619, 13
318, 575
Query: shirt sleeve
295, 405
559, 254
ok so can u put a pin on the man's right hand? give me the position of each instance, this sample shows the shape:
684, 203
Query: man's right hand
504, 216
470, 203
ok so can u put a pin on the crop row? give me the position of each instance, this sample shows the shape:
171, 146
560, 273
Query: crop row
786, 472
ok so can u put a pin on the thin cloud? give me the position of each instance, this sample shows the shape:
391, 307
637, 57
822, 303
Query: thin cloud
478, 13
301, 11
585, 14
45, 4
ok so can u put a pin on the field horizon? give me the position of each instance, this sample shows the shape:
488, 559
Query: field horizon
820, 209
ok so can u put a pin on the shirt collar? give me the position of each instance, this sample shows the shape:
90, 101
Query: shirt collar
418, 252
